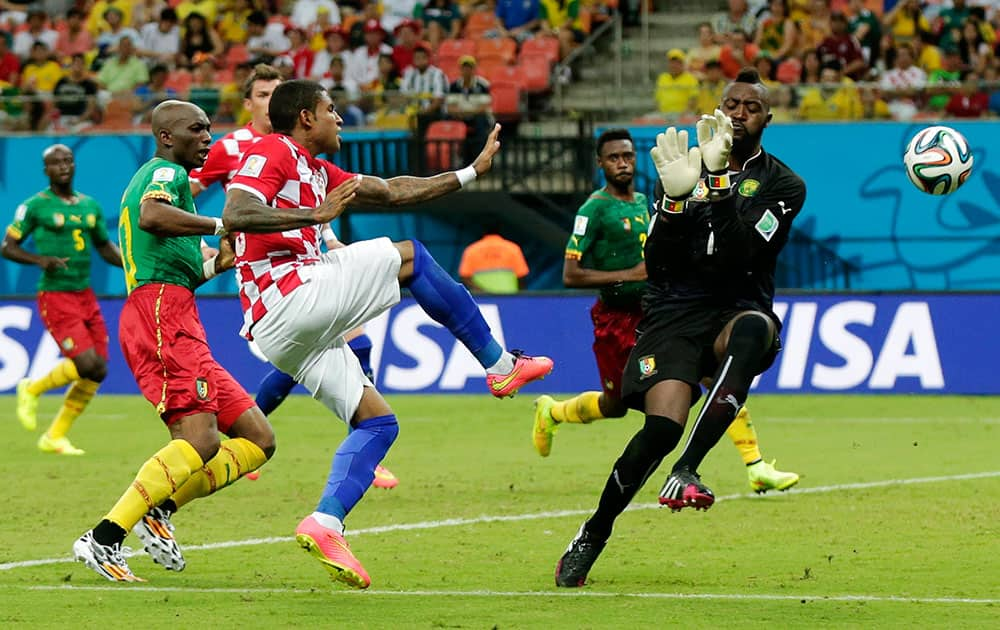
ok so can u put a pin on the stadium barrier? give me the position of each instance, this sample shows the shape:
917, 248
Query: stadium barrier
906, 344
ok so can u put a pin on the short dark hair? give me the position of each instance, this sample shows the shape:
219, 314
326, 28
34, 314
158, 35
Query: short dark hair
74, 12
610, 135
289, 99
257, 17
168, 14
261, 72
159, 69
747, 75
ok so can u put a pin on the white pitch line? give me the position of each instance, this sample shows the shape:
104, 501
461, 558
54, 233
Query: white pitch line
547, 594
457, 522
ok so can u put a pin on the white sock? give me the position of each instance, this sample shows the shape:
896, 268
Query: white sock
329, 521
504, 365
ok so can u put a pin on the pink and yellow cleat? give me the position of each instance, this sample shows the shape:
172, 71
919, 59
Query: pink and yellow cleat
384, 478
526, 369
329, 547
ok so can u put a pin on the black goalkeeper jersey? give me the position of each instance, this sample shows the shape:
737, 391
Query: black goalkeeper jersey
723, 251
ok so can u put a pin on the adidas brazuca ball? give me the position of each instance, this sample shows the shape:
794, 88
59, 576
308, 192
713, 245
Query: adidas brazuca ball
938, 160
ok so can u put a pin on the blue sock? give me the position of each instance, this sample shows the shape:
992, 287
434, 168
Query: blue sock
273, 390
362, 347
354, 464
451, 305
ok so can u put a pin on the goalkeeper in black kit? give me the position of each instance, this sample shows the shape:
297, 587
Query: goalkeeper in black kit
723, 212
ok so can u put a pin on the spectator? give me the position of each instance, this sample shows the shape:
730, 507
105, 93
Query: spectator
777, 33
812, 67
469, 100
264, 43
10, 65
970, 101
928, 56
738, 18
123, 72
37, 31
366, 58
737, 54
867, 29
407, 37
706, 50
836, 98
233, 25
284, 65
442, 19
676, 89
493, 265
316, 32
109, 40
231, 109
152, 93
764, 64
815, 28
843, 47
519, 18
160, 41
902, 84
427, 84
74, 38
973, 47
199, 39
345, 93
873, 106
949, 19
395, 11
301, 54
905, 21
710, 89
941, 83
75, 97
40, 73
336, 46
306, 12
204, 91
146, 12
562, 18
207, 9
97, 21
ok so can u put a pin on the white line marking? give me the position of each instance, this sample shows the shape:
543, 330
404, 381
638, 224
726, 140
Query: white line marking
876, 420
552, 593
456, 522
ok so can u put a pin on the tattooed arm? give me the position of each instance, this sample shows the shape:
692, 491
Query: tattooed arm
404, 190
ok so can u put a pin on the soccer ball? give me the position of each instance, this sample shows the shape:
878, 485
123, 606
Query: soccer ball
938, 160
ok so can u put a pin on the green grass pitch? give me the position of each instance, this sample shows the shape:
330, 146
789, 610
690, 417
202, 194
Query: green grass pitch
896, 523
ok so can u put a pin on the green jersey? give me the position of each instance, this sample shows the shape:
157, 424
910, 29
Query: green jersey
608, 235
64, 229
154, 259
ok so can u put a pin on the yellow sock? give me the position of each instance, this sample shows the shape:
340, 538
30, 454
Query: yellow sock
235, 458
583, 408
158, 478
744, 437
62, 374
77, 398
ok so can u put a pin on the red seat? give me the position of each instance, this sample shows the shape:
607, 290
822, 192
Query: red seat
535, 73
504, 48
456, 48
444, 140
448, 65
504, 74
236, 55
789, 71
479, 22
506, 99
488, 66
180, 80
547, 47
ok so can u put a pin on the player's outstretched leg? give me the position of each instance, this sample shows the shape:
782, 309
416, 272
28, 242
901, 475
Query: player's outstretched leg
352, 472
581, 409
156, 533
763, 476
273, 390
684, 488
105, 559
451, 305
28, 391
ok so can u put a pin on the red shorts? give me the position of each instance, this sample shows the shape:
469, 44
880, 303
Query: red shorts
165, 347
614, 336
74, 320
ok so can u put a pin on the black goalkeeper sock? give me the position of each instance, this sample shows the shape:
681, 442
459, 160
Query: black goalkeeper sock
108, 533
748, 343
658, 436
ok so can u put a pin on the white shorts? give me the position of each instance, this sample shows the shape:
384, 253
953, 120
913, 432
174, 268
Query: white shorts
303, 334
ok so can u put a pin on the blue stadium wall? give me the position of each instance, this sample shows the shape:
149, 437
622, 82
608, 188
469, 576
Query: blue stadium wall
905, 343
859, 203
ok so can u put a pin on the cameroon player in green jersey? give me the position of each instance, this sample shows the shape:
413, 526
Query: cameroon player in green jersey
605, 251
65, 225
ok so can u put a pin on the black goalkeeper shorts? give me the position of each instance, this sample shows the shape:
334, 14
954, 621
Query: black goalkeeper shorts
677, 344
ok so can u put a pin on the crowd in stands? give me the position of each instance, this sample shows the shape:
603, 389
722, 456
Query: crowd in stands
73, 64
845, 59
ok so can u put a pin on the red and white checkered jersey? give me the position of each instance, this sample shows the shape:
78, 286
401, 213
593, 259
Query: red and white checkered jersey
225, 156
282, 174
